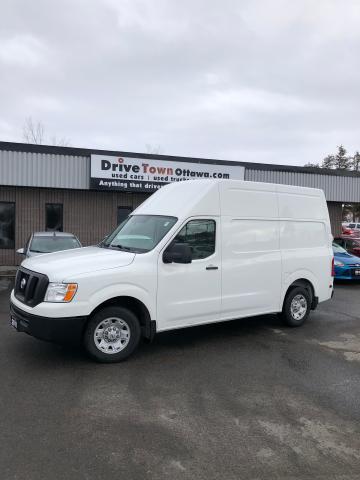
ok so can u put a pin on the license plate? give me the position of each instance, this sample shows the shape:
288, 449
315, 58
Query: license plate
13, 322
357, 272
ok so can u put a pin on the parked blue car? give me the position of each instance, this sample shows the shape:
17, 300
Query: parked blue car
347, 266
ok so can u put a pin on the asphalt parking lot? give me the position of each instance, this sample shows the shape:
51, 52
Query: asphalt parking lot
248, 399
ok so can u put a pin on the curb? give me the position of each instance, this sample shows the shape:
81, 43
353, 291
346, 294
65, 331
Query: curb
7, 271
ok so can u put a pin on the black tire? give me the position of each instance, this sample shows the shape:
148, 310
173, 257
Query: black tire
289, 315
113, 316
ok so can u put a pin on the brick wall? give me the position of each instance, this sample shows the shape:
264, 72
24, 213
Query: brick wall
89, 215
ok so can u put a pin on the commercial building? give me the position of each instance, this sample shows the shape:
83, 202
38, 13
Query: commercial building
88, 192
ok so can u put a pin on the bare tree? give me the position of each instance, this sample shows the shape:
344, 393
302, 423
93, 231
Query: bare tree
60, 142
34, 132
154, 149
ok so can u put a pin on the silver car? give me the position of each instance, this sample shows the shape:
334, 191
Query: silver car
47, 242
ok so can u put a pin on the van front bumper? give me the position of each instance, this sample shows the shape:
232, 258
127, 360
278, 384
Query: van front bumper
67, 330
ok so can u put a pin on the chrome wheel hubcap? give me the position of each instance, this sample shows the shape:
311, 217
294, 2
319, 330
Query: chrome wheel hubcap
298, 307
112, 335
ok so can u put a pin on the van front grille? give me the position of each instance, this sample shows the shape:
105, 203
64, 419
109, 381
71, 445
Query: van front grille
30, 287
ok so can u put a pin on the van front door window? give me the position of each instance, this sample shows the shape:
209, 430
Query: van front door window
200, 236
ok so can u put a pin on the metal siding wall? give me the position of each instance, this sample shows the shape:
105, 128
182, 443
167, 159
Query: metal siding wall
73, 172
44, 170
337, 188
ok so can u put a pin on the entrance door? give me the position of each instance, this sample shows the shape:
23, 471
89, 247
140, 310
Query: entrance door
190, 294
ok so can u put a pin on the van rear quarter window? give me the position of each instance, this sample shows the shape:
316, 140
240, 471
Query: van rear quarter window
295, 234
251, 235
249, 202
310, 207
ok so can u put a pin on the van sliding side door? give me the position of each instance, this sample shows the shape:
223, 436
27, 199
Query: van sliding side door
251, 266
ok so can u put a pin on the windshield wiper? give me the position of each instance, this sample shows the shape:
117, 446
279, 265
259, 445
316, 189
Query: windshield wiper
121, 247
38, 251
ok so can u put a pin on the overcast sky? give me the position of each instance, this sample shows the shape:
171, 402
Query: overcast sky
274, 81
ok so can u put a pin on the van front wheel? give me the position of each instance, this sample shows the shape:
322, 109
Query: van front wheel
112, 334
296, 307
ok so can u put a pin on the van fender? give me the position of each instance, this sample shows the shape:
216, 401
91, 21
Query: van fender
289, 279
124, 290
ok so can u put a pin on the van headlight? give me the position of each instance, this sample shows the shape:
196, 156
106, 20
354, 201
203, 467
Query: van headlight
60, 292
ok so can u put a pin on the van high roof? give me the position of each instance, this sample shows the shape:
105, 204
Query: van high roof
201, 198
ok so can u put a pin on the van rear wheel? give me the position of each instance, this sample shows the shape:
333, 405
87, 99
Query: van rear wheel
112, 334
296, 307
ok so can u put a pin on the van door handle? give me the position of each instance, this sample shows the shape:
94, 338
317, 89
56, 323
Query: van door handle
212, 267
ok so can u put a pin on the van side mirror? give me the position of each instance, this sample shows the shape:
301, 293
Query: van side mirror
178, 253
20, 251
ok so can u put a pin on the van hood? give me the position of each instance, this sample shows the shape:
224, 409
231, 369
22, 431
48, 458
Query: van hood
67, 264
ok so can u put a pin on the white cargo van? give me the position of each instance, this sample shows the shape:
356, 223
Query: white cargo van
193, 253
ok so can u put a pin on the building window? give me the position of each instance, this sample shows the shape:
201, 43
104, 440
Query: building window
122, 213
54, 217
7, 225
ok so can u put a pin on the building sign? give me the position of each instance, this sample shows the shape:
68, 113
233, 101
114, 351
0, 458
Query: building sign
148, 175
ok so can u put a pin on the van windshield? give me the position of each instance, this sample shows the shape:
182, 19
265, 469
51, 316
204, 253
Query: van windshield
139, 233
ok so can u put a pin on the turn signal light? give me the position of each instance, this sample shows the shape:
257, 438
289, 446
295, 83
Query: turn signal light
70, 292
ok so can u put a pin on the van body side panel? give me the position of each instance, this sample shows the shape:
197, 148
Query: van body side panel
310, 260
251, 267
302, 202
248, 200
297, 206
251, 259
305, 239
